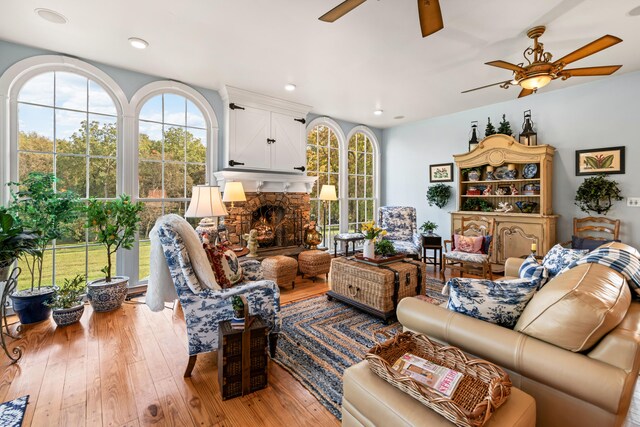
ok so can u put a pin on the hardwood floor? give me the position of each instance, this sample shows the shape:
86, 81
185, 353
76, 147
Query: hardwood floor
124, 369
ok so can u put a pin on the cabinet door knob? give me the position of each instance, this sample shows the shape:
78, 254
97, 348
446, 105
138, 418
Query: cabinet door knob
303, 121
301, 168
233, 163
235, 106
271, 141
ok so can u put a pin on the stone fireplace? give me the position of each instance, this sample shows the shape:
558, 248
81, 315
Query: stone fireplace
277, 206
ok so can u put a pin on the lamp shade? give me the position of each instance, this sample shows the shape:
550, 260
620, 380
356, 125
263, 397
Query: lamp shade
328, 192
205, 202
233, 192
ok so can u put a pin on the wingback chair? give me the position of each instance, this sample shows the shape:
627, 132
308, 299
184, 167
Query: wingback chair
401, 227
203, 311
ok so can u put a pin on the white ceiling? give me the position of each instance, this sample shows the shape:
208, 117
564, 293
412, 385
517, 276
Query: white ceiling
374, 57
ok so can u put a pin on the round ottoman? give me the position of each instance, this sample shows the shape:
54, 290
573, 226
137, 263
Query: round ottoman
314, 263
281, 269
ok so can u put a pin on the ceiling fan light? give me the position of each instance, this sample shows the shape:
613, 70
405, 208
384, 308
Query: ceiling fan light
535, 82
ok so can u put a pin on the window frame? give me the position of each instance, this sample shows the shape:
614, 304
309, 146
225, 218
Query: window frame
376, 170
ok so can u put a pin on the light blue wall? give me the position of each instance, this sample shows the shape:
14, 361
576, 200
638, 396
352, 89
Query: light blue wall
599, 114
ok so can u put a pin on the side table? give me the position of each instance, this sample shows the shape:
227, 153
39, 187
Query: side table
346, 238
432, 242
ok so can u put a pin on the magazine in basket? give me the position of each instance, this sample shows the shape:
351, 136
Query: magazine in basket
442, 380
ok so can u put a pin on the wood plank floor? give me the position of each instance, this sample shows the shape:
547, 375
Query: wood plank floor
125, 368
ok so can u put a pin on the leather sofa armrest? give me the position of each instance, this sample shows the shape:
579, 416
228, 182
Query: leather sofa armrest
621, 346
511, 266
540, 361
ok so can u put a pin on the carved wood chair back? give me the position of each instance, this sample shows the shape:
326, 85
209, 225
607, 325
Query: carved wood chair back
478, 226
609, 229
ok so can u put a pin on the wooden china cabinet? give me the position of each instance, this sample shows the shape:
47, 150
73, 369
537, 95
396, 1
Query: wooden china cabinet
496, 160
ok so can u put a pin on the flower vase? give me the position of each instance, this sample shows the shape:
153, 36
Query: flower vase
369, 249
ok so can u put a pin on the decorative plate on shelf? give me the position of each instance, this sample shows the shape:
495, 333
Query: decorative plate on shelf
500, 171
530, 170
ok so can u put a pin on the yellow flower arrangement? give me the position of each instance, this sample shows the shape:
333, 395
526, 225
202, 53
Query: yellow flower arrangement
370, 230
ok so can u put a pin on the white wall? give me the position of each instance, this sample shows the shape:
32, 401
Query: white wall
603, 113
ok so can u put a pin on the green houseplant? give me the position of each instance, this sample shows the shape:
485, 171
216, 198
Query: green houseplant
476, 204
114, 223
238, 307
439, 195
597, 194
37, 206
384, 248
14, 242
67, 302
428, 227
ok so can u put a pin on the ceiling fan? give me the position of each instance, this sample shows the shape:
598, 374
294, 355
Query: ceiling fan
540, 71
428, 11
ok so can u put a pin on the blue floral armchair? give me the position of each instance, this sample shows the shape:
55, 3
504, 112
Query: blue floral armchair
203, 311
402, 229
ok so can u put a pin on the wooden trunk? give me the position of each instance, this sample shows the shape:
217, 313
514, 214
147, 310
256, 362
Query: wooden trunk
242, 359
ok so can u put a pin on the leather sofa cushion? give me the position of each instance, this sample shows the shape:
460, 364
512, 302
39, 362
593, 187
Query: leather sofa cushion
577, 308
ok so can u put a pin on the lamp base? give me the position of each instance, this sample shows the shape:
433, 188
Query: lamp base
207, 229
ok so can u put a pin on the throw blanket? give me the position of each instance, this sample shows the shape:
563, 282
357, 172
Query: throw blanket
160, 287
622, 261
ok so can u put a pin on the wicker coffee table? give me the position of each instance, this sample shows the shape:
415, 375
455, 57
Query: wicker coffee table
375, 289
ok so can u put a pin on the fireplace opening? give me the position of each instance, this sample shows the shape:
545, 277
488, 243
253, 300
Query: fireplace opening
270, 222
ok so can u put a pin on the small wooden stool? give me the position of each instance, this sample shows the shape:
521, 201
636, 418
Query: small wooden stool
314, 263
281, 269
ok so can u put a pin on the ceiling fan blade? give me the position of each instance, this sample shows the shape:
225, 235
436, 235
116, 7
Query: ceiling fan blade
430, 16
482, 87
525, 92
591, 71
505, 64
340, 10
589, 49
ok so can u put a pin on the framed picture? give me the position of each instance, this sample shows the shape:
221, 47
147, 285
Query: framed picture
600, 160
441, 173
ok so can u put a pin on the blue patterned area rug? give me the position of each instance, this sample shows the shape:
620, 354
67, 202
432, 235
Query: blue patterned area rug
12, 412
319, 339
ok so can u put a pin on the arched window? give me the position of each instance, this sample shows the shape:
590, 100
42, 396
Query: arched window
323, 161
362, 180
67, 124
172, 157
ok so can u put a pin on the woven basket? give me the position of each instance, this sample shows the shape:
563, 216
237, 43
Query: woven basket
483, 388
314, 262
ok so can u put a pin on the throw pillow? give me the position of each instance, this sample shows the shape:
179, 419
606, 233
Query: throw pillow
588, 244
560, 257
532, 269
499, 302
486, 243
225, 265
468, 244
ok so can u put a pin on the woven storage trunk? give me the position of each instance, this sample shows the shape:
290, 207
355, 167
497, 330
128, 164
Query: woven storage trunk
231, 353
281, 269
314, 263
483, 388
375, 286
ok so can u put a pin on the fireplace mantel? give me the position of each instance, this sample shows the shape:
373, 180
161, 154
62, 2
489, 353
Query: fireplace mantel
260, 182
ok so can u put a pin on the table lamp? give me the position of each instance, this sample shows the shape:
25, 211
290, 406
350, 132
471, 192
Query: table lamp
233, 192
206, 203
327, 194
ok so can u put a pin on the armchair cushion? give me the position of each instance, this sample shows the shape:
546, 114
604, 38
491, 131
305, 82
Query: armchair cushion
558, 258
398, 221
499, 302
587, 243
407, 247
466, 257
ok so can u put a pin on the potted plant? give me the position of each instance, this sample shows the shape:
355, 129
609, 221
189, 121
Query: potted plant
67, 302
438, 194
597, 194
428, 227
476, 204
385, 248
37, 206
238, 307
371, 233
114, 223
14, 242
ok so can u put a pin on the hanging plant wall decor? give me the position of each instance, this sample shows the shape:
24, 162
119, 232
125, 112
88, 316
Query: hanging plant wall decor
597, 194
439, 195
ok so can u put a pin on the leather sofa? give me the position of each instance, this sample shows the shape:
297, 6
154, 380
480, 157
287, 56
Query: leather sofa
589, 388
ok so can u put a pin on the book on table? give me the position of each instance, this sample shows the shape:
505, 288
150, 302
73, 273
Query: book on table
438, 378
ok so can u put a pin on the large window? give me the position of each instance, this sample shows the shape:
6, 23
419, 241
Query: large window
323, 161
68, 125
361, 177
172, 157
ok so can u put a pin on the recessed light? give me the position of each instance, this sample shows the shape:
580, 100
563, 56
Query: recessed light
399, 117
290, 87
378, 112
635, 11
51, 15
138, 43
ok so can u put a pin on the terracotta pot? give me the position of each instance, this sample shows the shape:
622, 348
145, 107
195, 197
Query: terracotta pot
107, 296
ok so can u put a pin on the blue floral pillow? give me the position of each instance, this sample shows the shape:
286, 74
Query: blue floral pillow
500, 302
559, 257
532, 269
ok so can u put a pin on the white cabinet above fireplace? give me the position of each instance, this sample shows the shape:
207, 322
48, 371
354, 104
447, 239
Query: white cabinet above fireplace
263, 133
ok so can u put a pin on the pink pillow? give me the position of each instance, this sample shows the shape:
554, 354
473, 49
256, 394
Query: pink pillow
468, 244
